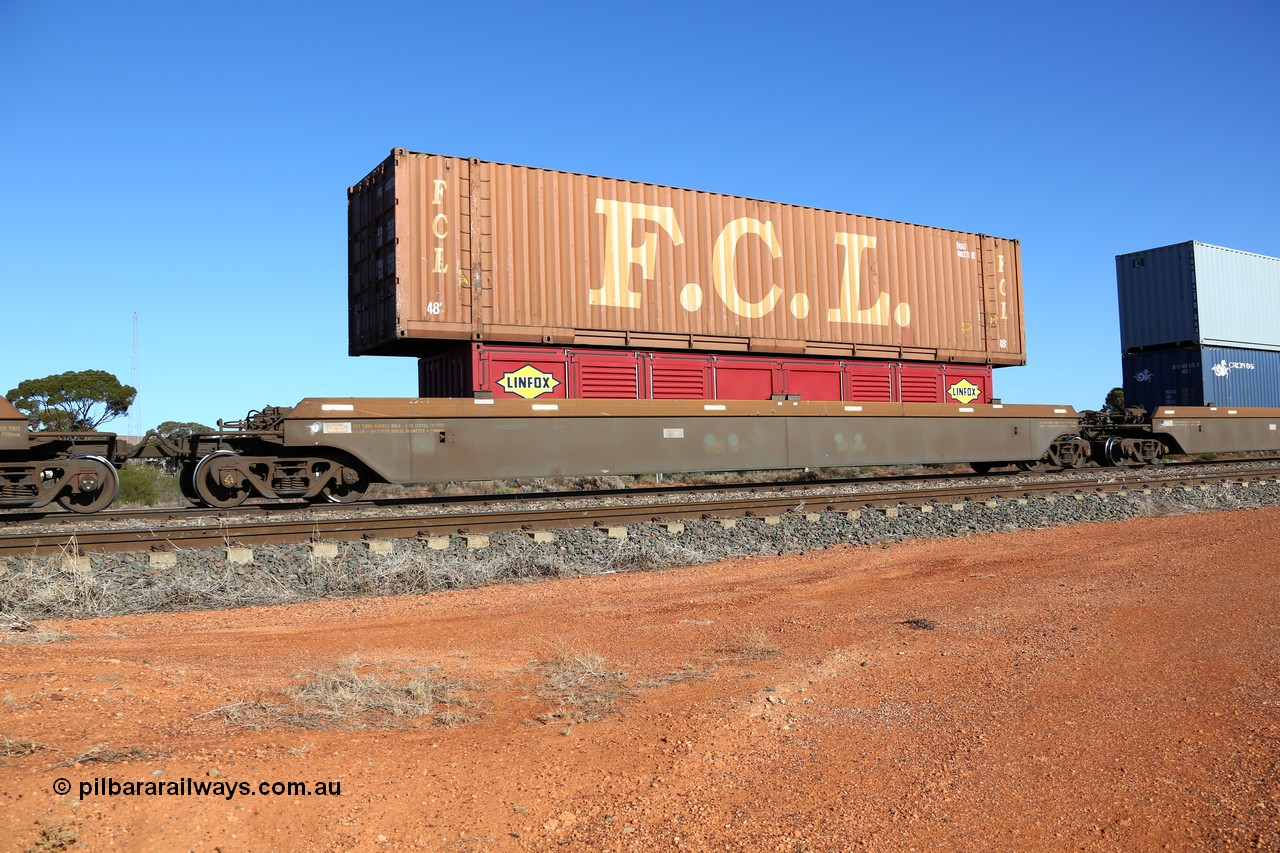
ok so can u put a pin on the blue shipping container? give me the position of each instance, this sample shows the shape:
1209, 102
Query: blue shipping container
1192, 294
1202, 376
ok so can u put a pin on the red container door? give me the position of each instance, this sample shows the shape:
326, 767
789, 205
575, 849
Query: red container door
869, 381
747, 379
812, 381
680, 377
966, 383
607, 375
920, 383
528, 373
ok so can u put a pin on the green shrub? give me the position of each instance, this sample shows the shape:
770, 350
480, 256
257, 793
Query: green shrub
143, 484
136, 488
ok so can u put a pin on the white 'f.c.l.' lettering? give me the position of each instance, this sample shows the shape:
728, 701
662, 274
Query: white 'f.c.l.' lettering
723, 276
1004, 290
621, 252
851, 285
440, 223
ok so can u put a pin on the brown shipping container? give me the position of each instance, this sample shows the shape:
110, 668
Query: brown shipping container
448, 249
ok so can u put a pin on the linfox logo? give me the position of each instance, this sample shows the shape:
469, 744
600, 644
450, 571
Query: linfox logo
964, 391
528, 382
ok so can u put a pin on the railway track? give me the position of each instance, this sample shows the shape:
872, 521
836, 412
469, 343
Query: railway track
652, 505
54, 516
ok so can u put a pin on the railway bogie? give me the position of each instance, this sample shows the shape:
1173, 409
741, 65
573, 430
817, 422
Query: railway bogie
250, 457
226, 478
75, 469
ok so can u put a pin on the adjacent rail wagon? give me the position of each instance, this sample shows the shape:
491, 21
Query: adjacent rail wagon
76, 469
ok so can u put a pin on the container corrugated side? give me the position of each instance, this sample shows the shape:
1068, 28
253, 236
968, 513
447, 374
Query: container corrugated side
1157, 296
1238, 297
1168, 377
444, 248
1200, 376
1198, 294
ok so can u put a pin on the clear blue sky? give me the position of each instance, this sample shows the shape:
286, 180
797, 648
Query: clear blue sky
190, 161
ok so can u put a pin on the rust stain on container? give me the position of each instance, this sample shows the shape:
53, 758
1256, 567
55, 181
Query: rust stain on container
447, 249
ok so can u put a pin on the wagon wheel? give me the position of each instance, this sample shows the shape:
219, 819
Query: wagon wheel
1028, 465
1112, 452
186, 483
211, 491
982, 467
97, 491
344, 493
340, 493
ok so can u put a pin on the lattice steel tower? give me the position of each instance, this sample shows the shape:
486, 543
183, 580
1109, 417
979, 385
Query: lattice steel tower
135, 416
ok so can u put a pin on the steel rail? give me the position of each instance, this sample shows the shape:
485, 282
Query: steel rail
53, 514
228, 531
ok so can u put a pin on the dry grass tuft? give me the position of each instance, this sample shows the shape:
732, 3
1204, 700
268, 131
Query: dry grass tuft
52, 587
347, 697
582, 685
14, 630
103, 753
750, 642
19, 747
688, 672
57, 834
39, 637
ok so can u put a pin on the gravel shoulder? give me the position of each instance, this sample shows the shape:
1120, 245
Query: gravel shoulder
1107, 685
215, 578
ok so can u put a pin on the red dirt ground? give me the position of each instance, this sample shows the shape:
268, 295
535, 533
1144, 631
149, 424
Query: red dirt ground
1110, 686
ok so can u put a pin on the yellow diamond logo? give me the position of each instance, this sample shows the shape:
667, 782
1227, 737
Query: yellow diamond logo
528, 382
964, 391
